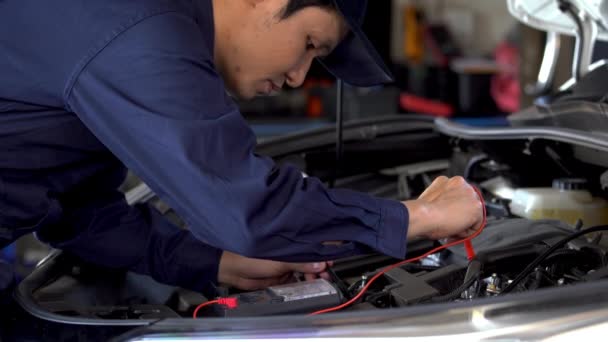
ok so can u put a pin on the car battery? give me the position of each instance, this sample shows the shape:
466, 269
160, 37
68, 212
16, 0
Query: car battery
300, 297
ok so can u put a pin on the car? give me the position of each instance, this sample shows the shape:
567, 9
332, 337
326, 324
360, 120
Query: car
541, 265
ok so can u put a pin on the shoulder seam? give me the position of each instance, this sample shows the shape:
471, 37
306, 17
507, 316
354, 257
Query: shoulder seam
101, 45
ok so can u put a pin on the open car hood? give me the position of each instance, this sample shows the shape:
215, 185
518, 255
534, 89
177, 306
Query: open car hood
546, 15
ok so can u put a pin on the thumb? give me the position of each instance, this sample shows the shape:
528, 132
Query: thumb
312, 267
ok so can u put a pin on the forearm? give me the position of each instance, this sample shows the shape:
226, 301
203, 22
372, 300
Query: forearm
138, 239
174, 256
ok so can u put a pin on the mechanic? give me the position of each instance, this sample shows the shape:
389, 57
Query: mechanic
89, 89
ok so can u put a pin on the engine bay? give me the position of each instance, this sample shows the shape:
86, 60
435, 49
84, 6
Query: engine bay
514, 254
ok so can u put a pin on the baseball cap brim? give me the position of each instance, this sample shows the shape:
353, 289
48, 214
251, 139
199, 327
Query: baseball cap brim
356, 61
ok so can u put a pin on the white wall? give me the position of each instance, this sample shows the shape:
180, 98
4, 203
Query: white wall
478, 25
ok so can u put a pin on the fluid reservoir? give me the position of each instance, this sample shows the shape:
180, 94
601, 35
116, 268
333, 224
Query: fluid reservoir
568, 200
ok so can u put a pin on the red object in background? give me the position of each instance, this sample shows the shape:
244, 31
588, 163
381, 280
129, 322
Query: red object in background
314, 106
317, 82
314, 102
417, 104
505, 88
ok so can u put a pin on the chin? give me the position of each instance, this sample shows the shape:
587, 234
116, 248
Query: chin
237, 90
247, 97
246, 93
238, 94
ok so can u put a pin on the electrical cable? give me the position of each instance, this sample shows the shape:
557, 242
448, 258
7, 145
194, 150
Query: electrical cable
456, 293
547, 253
468, 247
401, 263
229, 302
470, 277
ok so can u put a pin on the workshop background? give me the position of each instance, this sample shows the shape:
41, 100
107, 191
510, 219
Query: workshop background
451, 58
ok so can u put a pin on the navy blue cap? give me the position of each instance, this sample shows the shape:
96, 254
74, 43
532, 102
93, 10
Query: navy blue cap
355, 60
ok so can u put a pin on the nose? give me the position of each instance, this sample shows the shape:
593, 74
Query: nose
296, 76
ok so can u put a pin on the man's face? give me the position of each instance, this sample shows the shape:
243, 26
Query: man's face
264, 52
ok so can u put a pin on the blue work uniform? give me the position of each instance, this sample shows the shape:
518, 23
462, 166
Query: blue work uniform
89, 89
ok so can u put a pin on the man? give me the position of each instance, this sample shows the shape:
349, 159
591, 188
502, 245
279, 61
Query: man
91, 88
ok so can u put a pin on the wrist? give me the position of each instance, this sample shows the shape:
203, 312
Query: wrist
419, 219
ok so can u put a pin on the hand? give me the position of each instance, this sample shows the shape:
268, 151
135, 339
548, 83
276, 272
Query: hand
448, 208
253, 274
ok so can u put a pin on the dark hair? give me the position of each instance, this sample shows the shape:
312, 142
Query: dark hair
294, 6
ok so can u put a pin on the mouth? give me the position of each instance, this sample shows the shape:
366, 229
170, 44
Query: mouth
271, 88
276, 87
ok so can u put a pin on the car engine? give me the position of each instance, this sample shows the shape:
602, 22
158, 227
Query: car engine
515, 253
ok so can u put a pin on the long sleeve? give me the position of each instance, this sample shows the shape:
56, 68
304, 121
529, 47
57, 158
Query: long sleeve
153, 97
107, 231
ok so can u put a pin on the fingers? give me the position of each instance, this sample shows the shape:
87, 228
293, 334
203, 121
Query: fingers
465, 234
439, 180
310, 276
324, 275
479, 207
457, 181
311, 271
314, 267
251, 274
442, 181
453, 209
313, 276
431, 192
